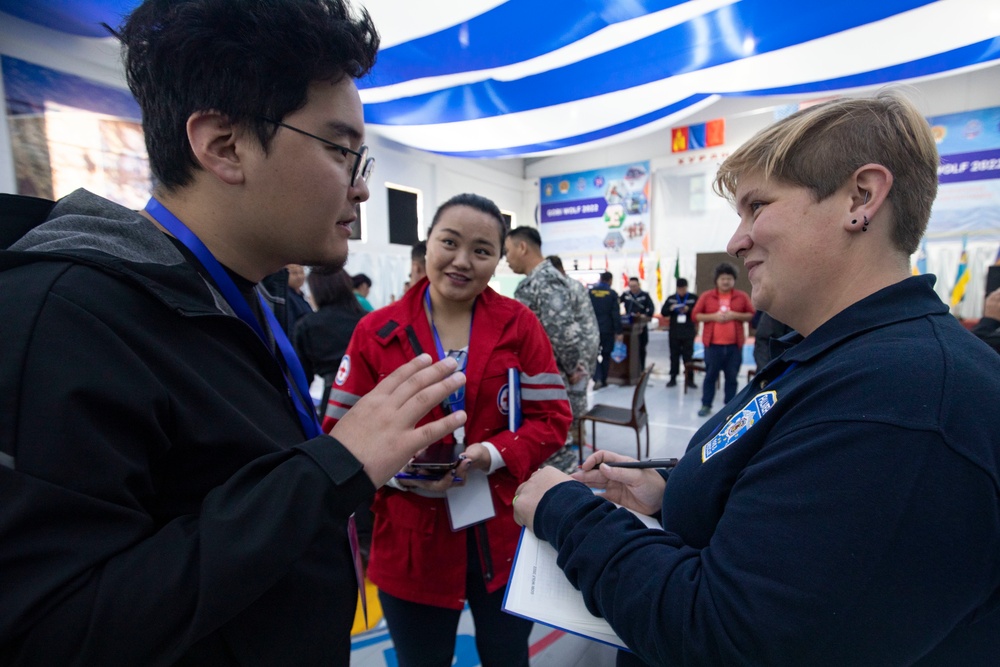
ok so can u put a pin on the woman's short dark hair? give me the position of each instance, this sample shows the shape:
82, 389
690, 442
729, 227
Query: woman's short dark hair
478, 202
246, 59
331, 287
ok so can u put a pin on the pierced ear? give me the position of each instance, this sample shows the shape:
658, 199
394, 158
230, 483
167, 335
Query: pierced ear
213, 141
869, 191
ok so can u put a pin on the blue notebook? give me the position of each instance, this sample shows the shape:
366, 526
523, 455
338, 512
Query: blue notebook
513, 399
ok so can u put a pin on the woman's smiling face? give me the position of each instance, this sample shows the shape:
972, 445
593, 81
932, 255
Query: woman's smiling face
463, 251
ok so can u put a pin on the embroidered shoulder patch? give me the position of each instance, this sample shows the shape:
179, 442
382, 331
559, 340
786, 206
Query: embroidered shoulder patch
739, 424
503, 400
343, 371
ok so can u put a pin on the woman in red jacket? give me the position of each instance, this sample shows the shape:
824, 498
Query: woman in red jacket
438, 544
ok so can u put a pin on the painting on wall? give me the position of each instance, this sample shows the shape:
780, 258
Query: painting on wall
69, 132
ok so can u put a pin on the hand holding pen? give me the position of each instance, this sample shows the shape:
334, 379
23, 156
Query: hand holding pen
633, 484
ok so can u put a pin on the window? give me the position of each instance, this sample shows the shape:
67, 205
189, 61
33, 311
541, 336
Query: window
405, 205
358, 229
508, 219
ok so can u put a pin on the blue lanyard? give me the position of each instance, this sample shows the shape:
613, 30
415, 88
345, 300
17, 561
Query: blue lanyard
298, 387
456, 400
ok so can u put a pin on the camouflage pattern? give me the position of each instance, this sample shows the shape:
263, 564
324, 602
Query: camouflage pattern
563, 307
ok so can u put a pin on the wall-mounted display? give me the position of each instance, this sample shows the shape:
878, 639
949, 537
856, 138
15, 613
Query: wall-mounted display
596, 213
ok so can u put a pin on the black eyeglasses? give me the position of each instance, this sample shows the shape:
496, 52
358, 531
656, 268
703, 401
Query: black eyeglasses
362, 163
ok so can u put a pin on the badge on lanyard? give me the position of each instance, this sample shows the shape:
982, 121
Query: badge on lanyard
739, 424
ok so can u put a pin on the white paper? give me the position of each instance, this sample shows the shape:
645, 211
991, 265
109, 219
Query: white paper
470, 503
538, 590
681, 319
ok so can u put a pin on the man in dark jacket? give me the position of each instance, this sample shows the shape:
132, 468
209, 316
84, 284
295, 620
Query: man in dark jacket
682, 329
639, 307
609, 325
166, 495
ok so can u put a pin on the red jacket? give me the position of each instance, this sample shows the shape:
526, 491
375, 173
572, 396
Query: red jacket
415, 555
708, 303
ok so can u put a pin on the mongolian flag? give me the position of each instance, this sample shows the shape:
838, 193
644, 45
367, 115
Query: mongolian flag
962, 279
624, 280
642, 269
659, 281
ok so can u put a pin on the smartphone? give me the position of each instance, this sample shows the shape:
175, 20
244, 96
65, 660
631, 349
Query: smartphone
993, 279
439, 456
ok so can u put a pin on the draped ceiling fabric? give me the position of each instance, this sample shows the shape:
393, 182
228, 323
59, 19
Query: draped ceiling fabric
491, 79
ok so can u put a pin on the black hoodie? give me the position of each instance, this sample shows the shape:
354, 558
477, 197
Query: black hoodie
159, 502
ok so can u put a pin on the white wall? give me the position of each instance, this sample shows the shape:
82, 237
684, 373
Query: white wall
438, 178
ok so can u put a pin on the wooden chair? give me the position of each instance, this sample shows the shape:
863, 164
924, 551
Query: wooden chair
635, 417
690, 368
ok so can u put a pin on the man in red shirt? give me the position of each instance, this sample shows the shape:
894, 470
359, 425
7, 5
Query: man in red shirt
724, 311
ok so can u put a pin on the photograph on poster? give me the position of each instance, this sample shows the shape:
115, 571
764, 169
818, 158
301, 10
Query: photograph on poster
68, 132
604, 208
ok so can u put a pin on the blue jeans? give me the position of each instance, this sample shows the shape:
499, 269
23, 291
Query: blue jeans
724, 359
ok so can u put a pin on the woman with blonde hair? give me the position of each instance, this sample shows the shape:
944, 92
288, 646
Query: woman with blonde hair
842, 509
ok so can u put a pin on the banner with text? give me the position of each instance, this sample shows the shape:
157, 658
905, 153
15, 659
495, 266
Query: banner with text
968, 199
590, 213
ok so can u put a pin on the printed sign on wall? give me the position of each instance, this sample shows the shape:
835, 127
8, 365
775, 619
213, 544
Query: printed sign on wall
968, 197
603, 210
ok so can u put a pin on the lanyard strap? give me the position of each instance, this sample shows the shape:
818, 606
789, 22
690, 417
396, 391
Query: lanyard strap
456, 400
298, 387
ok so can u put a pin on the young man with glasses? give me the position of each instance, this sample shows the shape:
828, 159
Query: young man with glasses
170, 497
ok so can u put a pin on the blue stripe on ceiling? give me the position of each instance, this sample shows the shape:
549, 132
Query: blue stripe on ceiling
981, 52
76, 17
719, 33
973, 54
624, 126
513, 32
28, 89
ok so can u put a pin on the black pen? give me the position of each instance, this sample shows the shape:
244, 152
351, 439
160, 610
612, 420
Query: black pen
666, 464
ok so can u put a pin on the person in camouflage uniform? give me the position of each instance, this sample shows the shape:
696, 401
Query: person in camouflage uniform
564, 309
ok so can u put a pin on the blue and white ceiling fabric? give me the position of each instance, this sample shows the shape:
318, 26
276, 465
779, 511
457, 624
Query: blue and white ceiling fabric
491, 79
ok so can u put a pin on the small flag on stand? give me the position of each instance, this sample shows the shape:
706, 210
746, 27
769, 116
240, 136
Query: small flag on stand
659, 281
677, 266
642, 269
962, 279
606, 266
624, 280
